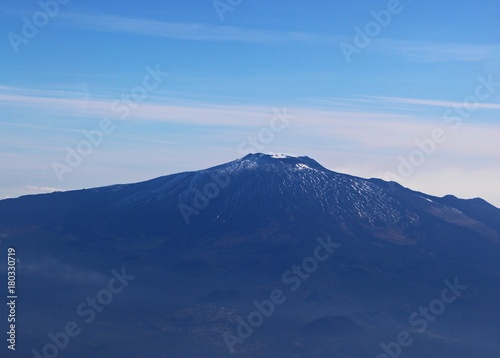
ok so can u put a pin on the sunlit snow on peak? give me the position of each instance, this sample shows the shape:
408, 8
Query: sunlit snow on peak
282, 155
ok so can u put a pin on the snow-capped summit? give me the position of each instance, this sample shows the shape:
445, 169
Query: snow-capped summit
260, 189
271, 162
207, 245
282, 155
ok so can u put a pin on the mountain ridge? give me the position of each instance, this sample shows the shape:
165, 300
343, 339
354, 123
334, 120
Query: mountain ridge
267, 187
261, 217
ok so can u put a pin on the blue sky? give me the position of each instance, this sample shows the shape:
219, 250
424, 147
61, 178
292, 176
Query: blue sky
227, 77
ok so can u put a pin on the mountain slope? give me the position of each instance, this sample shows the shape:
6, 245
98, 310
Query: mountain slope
294, 191
205, 245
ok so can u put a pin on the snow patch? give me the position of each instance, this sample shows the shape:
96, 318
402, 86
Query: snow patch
282, 155
425, 198
302, 166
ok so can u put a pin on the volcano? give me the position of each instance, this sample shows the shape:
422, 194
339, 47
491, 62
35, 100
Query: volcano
237, 260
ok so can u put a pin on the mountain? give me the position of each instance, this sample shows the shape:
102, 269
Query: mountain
312, 251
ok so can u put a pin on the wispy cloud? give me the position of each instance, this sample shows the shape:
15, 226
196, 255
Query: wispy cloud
436, 103
393, 111
415, 51
435, 51
34, 126
364, 122
187, 31
384, 104
194, 112
33, 189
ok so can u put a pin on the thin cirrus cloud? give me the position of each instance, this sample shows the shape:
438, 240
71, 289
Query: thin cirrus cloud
373, 108
431, 52
398, 104
411, 50
197, 113
437, 103
187, 31
345, 120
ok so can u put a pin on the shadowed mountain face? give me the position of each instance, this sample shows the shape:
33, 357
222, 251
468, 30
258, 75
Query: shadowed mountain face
334, 265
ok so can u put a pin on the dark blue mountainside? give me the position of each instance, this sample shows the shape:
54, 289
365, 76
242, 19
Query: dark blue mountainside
204, 245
